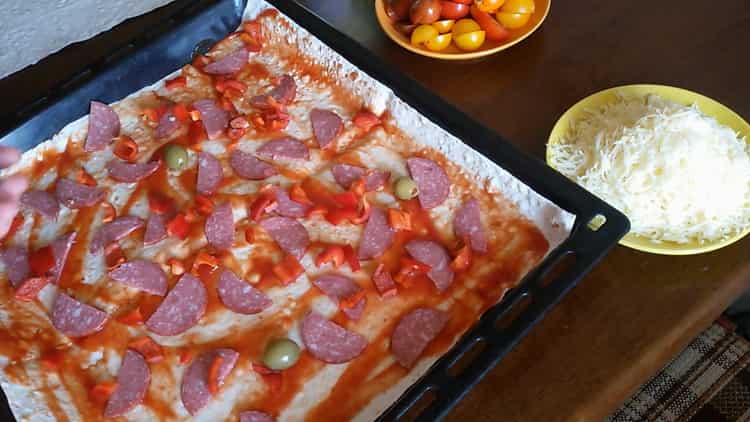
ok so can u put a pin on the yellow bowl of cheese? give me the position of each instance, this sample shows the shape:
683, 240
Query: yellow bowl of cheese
628, 146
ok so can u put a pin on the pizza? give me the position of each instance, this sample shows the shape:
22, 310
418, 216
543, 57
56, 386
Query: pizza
266, 234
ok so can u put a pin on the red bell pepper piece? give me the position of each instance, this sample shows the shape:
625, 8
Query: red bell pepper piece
133, 317
148, 348
100, 392
288, 270
29, 288
181, 112
262, 204
297, 194
159, 204
213, 375
399, 220
178, 82
42, 261
462, 261
126, 148
346, 200
351, 258
366, 120
178, 227
333, 254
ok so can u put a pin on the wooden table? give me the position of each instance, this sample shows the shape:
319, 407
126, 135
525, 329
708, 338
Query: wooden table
633, 312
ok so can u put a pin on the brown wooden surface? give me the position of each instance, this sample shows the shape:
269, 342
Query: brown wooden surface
634, 311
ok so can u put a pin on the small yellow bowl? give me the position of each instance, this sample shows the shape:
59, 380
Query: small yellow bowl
709, 107
452, 52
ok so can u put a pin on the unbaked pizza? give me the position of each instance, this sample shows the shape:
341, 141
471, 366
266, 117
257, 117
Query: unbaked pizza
266, 234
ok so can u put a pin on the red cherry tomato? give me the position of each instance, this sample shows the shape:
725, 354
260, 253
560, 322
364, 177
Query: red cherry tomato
464, 1
398, 10
492, 28
425, 12
453, 10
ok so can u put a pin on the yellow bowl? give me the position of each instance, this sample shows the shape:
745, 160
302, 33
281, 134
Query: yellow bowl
709, 107
452, 52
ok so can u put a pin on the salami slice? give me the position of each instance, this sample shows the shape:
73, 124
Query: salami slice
214, 118
209, 173
156, 230
247, 166
376, 179
377, 236
288, 233
168, 124
413, 332
16, 261
286, 207
42, 202
383, 281
61, 249
76, 319
231, 63
468, 224
326, 126
104, 124
194, 389
181, 309
432, 254
240, 296
255, 416
133, 380
431, 180
219, 227
114, 231
142, 275
284, 93
338, 288
346, 174
284, 148
125, 172
329, 341
77, 195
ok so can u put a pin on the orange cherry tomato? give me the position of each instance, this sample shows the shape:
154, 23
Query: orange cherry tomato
489, 6
519, 6
453, 10
513, 20
492, 28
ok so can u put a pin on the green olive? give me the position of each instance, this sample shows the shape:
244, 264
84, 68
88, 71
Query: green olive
405, 188
281, 354
175, 156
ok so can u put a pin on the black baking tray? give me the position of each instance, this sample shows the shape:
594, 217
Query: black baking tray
155, 54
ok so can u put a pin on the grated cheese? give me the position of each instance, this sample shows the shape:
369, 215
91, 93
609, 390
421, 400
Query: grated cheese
677, 174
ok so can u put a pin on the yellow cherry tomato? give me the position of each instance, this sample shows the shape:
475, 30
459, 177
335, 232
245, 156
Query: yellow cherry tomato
513, 20
470, 41
444, 25
489, 6
519, 6
438, 43
423, 33
465, 25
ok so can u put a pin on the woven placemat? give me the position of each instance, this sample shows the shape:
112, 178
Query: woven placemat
709, 381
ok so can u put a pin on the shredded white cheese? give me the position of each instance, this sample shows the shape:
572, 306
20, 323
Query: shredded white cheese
678, 174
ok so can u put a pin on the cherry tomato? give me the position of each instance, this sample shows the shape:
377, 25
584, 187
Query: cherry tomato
453, 10
519, 6
470, 41
513, 20
465, 25
398, 10
438, 43
489, 6
425, 11
464, 1
404, 27
423, 33
494, 30
444, 25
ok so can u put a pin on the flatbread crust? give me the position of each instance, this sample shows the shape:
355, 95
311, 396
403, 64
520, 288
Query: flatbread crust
516, 217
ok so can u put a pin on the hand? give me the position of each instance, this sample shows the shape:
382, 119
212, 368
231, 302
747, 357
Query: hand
11, 189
